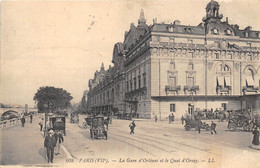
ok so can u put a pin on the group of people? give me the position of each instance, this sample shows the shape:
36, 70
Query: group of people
53, 142
170, 117
23, 119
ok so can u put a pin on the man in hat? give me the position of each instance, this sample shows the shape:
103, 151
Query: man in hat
23, 120
132, 127
41, 124
213, 127
49, 144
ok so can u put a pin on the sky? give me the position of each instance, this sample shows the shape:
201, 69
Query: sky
62, 43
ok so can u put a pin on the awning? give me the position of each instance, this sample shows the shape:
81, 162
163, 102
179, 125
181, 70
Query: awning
227, 81
220, 81
250, 81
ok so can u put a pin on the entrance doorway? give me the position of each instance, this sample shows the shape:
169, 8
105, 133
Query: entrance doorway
191, 109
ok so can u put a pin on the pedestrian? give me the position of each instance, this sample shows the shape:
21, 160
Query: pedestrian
170, 118
199, 125
31, 118
41, 124
23, 121
213, 127
49, 144
132, 127
106, 121
255, 137
155, 118
182, 119
59, 140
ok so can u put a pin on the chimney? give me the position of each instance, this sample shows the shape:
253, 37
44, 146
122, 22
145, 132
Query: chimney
154, 20
132, 25
176, 22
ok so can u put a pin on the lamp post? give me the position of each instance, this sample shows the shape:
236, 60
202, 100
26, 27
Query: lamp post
45, 128
192, 104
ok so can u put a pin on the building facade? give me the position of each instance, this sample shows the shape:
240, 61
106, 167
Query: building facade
173, 68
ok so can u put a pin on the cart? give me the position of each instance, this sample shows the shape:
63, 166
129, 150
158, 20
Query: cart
97, 127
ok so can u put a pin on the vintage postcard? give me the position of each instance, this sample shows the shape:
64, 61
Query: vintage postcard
150, 83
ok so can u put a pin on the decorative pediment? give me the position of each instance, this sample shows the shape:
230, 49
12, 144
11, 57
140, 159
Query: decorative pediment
172, 73
191, 73
223, 45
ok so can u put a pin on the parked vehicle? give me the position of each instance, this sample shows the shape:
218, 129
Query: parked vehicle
87, 122
57, 123
195, 124
239, 121
124, 116
97, 127
74, 117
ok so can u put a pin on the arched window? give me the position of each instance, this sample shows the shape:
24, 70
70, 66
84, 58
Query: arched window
250, 72
215, 31
229, 32
250, 78
226, 68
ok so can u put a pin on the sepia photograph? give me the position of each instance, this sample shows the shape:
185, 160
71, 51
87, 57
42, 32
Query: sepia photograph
129, 83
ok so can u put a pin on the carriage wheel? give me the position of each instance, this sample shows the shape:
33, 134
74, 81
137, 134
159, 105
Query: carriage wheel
84, 125
247, 128
187, 127
232, 127
208, 128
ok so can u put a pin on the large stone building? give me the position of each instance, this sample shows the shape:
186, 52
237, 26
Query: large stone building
174, 68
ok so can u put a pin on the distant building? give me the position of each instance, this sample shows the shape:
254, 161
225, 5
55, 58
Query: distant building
173, 68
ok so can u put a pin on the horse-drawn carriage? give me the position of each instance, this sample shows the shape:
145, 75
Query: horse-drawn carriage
196, 124
240, 121
97, 127
57, 123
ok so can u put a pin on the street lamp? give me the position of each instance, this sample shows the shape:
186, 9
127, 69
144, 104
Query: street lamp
45, 128
192, 104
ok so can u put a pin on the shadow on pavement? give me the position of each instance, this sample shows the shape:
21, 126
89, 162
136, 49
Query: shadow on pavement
42, 152
86, 134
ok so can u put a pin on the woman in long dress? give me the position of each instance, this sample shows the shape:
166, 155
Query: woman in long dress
256, 136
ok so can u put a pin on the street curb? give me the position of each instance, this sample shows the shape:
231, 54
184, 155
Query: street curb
67, 153
255, 147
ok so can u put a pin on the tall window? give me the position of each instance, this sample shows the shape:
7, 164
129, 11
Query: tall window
190, 81
139, 81
250, 78
113, 95
172, 81
217, 55
224, 106
172, 107
127, 86
144, 79
118, 90
131, 85
134, 83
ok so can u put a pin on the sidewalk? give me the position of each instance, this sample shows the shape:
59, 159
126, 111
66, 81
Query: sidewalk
25, 145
